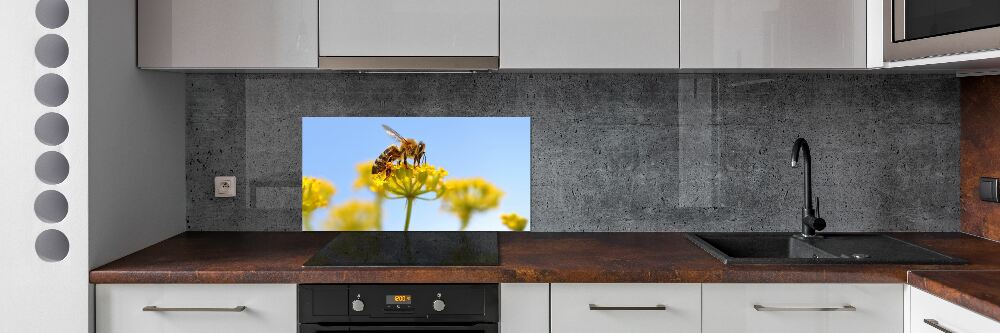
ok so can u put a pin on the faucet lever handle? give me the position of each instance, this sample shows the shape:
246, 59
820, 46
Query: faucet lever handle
817, 206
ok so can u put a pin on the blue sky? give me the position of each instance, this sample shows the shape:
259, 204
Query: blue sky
495, 148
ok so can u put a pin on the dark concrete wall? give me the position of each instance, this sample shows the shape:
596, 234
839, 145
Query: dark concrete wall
616, 152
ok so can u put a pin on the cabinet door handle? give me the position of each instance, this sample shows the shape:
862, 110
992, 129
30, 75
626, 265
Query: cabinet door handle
154, 308
595, 307
759, 307
935, 324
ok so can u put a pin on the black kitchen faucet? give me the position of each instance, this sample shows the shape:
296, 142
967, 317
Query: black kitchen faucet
810, 221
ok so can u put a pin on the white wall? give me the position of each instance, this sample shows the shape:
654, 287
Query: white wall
137, 187
37, 295
124, 188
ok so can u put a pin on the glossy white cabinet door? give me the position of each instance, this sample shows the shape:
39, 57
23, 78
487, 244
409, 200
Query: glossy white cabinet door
270, 308
773, 34
357, 28
524, 308
729, 308
924, 306
227, 33
572, 313
588, 34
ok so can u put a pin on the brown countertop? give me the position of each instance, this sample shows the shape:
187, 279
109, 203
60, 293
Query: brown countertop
277, 257
978, 291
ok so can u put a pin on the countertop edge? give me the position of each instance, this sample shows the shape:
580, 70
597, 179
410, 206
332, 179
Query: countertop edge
966, 297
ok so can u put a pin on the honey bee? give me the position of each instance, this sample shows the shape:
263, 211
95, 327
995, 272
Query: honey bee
407, 149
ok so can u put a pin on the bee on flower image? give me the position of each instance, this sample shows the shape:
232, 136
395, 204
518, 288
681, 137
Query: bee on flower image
417, 173
403, 171
316, 194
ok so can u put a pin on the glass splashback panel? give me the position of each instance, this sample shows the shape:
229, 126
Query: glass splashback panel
416, 173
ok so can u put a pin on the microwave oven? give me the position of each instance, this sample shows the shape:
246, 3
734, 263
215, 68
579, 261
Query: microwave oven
915, 29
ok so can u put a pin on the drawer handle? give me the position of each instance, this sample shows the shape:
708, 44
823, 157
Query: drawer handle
154, 308
759, 307
935, 324
595, 307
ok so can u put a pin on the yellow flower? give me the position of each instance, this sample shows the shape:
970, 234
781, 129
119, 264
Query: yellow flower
316, 194
468, 196
513, 221
411, 182
365, 178
353, 215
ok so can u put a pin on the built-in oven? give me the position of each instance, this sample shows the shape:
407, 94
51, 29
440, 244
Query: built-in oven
388, 308
916, 29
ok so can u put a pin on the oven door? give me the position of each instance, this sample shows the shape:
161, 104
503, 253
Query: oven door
472, 328
916, 29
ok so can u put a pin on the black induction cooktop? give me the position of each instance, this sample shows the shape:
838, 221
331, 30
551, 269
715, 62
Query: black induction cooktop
411, 248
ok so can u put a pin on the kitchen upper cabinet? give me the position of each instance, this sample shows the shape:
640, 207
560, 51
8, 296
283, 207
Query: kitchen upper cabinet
589, 34
192, 34
196, 308
406, 28
930, 314
626, 307
778, 34
804, 308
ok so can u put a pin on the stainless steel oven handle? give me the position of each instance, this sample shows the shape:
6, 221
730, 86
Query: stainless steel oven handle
154, 308
595, 307
759, 307
403, 327
935, 324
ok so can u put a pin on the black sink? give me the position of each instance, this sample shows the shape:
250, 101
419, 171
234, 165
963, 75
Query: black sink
836, 248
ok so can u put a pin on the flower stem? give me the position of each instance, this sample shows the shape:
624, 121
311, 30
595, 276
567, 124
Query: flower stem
409, 208
465, 221
306, 221
378, 211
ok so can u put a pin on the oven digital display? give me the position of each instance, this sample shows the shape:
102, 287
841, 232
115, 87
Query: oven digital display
398, 299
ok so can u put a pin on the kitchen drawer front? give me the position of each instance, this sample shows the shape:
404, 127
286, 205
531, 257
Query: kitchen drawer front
403, 28
730, 308
269, 308
947, 315
680, 310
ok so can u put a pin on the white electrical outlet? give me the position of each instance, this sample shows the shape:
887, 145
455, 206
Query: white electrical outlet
225, 187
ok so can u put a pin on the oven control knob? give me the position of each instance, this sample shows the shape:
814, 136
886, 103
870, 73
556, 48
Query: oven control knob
358, 305
438, 305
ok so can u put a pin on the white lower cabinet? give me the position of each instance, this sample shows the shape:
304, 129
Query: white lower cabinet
930, 314
524, 308
196, 308
819, 308
626, 307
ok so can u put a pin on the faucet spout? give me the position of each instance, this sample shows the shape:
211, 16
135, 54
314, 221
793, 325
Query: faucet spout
810, 222
802, 146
